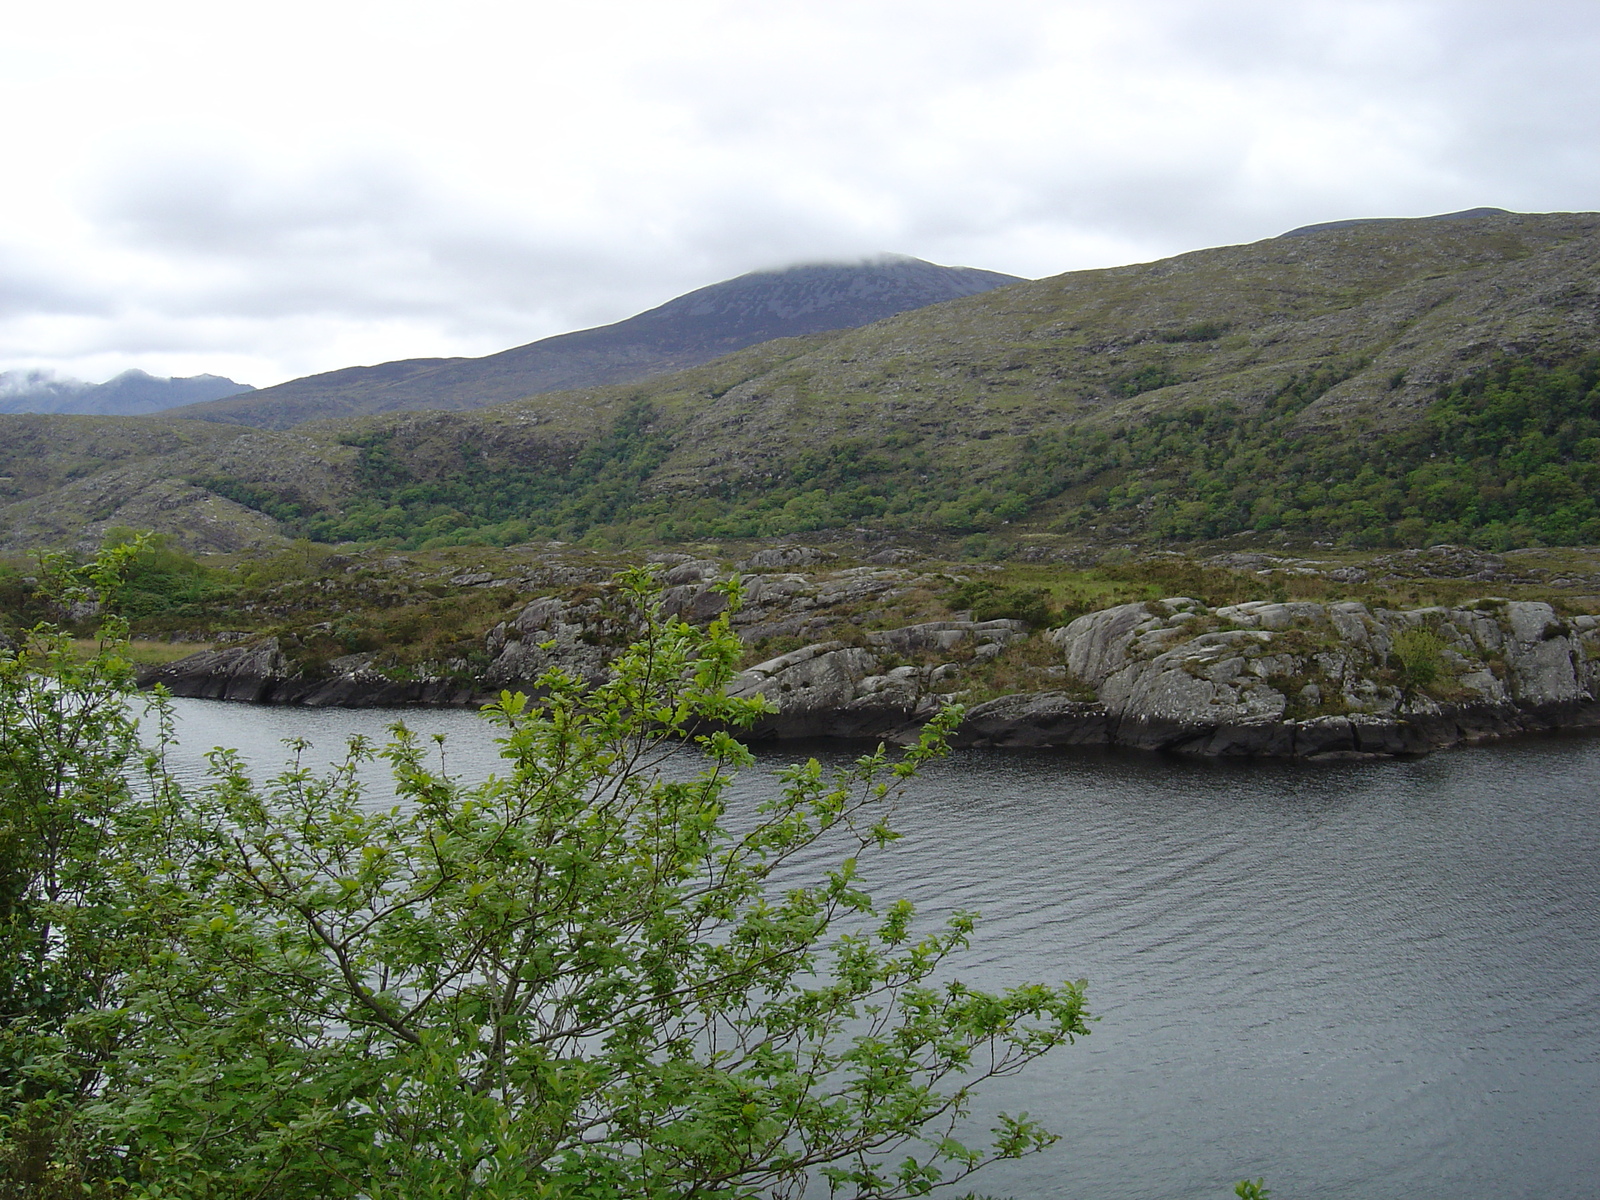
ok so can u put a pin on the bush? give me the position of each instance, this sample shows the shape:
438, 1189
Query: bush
1419, 658
990, 602
589, 977
159, 577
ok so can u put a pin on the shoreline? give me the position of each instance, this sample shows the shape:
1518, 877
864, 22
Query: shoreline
1260, 679
1024, 721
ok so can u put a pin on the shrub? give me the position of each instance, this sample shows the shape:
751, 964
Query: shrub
1419, 658
590, 976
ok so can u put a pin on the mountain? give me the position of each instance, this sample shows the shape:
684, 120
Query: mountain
693, 329
1403, 382
1466, 214
128, 394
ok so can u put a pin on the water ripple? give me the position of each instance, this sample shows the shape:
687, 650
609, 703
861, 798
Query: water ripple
1374, 979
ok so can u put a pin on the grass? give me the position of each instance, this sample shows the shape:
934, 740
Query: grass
146, 653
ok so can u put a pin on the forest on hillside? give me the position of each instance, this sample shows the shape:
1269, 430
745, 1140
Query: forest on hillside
1508, 456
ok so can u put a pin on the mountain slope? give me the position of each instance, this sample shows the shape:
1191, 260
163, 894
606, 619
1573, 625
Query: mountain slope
128, 394
692, 329
1354, 381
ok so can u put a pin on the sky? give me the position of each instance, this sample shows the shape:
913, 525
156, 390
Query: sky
266, 191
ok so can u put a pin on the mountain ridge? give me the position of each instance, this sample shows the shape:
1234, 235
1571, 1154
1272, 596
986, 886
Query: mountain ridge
131, 393
684, 332
1239, 388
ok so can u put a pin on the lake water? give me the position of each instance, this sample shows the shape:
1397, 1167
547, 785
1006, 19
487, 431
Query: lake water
1376, 980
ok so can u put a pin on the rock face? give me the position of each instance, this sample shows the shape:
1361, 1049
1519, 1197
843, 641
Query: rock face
1258, 679
261, 674
548, 633
1311, 680
831, 690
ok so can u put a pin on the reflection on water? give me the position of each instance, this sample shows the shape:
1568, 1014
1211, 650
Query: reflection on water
1362, 979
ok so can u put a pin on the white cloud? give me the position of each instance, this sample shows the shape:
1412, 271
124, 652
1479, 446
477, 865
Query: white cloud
263, 192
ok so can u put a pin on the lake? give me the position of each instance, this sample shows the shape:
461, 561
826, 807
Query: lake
1373, 979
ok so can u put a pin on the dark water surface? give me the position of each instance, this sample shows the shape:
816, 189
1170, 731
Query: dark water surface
1374, 980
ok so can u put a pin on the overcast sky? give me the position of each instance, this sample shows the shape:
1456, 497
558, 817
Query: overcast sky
263, 191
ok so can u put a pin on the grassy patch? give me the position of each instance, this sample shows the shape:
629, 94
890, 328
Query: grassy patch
145, 653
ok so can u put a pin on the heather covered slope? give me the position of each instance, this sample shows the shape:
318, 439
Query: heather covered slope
685, 332
65, 480
1393, 382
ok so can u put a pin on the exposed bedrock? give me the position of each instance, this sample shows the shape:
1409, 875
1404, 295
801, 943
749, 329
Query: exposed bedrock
262, 674
1289, 680
1310, 680
1300, 680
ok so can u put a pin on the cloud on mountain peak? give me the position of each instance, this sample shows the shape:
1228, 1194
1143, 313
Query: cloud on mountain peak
211, 192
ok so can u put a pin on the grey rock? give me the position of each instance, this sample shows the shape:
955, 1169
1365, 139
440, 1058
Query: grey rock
542, 614
548, 632
1169, 679
250, 673
261, 674
1096, 645
892, 556
693, 571
1035, 719
807, 680
1266, 614
695, 603
519, 662
1540, 653
1204, 681
947, 635
833, 690
1290, 679
779, 558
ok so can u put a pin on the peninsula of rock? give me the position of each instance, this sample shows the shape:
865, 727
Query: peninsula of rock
1294, 679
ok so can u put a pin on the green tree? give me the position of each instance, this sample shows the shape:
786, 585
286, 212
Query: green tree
68, 749
593, 975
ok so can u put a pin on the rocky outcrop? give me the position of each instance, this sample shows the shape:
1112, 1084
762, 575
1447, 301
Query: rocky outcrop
989, 637
1310, 680
1263, 679
549, 632
829, 689
262, 674
1293, 679
833, 690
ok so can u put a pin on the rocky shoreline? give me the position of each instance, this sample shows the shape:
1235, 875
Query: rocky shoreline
1261, 679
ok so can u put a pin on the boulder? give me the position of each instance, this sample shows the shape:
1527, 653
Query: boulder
1096, 646
1540, 655
548, 632
250, 673
1307, 680
938, 636
832, 690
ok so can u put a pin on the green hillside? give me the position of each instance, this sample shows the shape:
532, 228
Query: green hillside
1390, 383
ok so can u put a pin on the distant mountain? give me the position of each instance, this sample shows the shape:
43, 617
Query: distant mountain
1395, 382
695, 328
130, 394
